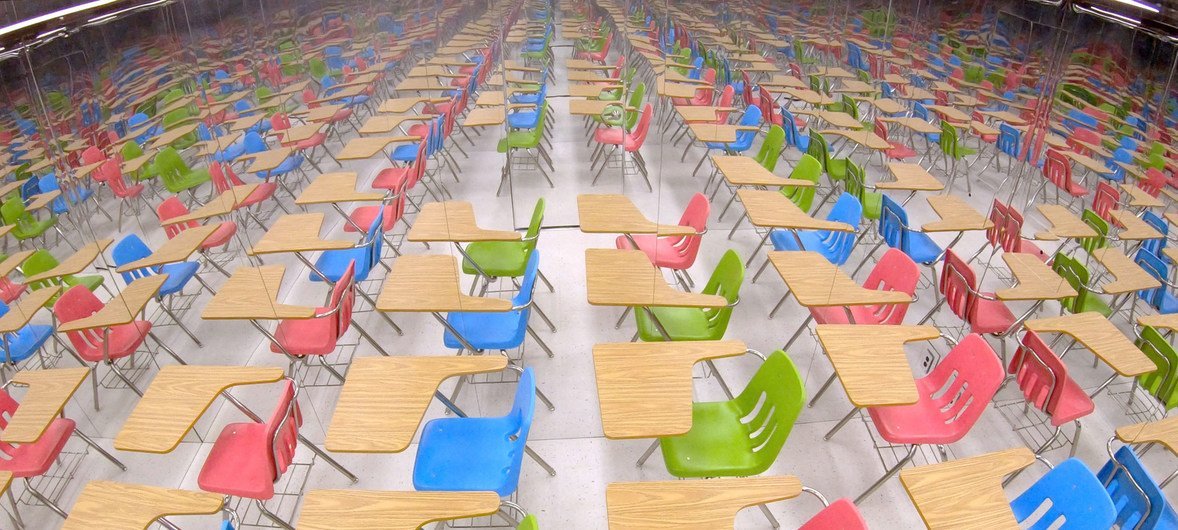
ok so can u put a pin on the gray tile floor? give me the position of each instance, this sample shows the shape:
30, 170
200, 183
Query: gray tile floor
571, 436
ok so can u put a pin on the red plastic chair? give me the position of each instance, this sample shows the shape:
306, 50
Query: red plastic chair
281, 122
318, 336
959, 290
978, 117
897, 151
103, 345
1058, 171
839, 515
1012, 239
344, 114
703, 94
630, 143
1154, 181
1085, 135
130, 196
173, 207
1105, 200
677, 253
952, 397
224, 179
362, 217
1045, 383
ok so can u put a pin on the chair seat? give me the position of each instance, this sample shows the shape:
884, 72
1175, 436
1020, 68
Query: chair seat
92, 282
404, 153
178, 276
841, 515
660, 250
25, 342
32, 460
837, 315
872, 204
32, 228
919, 423
364, 215
899, 151
264, 191
311, 336
527, 119
811, 240
1074, 403
681, 323
192, 179
716, 446
609, 135
390, 177
1167, 303
220, 236
1091, 302
464, 454
487, 331
993, 316
501, 259
124, 340
238, 464
1026, 246
922, 249
333, 263
10, 290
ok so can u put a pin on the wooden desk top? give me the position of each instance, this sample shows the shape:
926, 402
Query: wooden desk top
320, 113
403, 105
581, 64
41, 200
700, 114
1035, 280
617, 214
390, 510
297, 233
385, 123
48, 391
105, 505
1101, 337
671, 89
1169, 321
966, 493
251, 293
627, 278
911, 177
13, 261
593, 107
429, 283
223, 204
453, 221
862, 137
168, 137
717, 133
1086, 162
956, 215
1138, 198
121, 309
593, 91
855, 86
745, 171
299, 133
422, 84
1163, 431
871, 363
269, 160
692, 504
385, 398
209, 147
174, 250
22, 311
75, 263
485, 117
771, 209
1128, 275
490, 99
950, 114
365, 147
886, 105
177, 397
245, 122
1063, 224
645, 388
818, 283
784, 81
335, 188
1006, 116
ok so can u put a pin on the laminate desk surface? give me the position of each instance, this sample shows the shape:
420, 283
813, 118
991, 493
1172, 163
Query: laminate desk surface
592, 91
368, 146
206, 147
1035, 280
871, 363
105, 505
429, 283
177, 398
771, 209
251, 293
1163, 431
1168, 321
1138, 198
22, 311
485, 117
718, 133
48, 391
336, 188
671, 89
966, 494
384, 399
403, 105
862, 137
818, 283
950, 114
645, 388
223, 204
784, 81
617, 214
911, 177
1087, 162
1099, 336
956, 215
453, 221
14, 261
42, 200
390, 510
297, 233
174, 250
691, 504
700, 114
1128, 275
385, 123
74, 264
885, 105
1063, 224
627, 278
745, 171
269, 160
172, 135
299, 133
422, 84
121, 309
320, 113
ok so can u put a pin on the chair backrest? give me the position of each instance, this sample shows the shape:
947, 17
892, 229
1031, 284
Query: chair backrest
1163, 382
694, 216
636, 96
75, 303
1162, 226
807, 168
131, 150
725, 281
1100, 226
527, 285
847, 209
744, 139
1009, 139
533, 233
1057, 169
92, 154
778, 388
771, 148
1105, 200
819, 149
282, 429
130, 249
965, 382
1154, 181
725, 100
958, 285
523, 410
253, 142
169, 208
893, 224
1156, 267
895, 271
1039, 373
1140, 502
1068, 494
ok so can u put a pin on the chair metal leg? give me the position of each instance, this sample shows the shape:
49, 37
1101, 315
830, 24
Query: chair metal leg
822, 390
840, 424
161, 344
895, 469
182, 326
544, 279
769, 515
367, 337
544, 317
104, 453
543, 463
16, 520
799, 331
539, 341
625, 313
649, 451
123, 376
272, 516
45, 500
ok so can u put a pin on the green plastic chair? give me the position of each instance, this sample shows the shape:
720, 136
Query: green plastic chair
808, 168
170, 122
801, 57
726, 439
25, 225
629, 117
131, 150
530, 139
529, 523
317, 67
872, 201
692, 323
771, 148
172, 95
835, 167
175, 174
954, 151
1163, 382
41, 261
1099, 241
506, 259
1077, 276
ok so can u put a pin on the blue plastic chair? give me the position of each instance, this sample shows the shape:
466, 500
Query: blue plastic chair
919, 111
1074, 494
407, 152
1155, 246
498, 331
1139, 501
1161, 298
793, 136
744, 139
477, 454
26, 341
834, 246
366, 254
533, 98
138, 119
75, 194
131, 249
327, 83
893, 228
